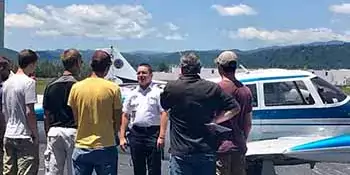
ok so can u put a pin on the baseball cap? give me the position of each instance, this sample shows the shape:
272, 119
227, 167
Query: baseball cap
226, 58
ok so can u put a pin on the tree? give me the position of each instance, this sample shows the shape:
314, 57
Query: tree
162, 67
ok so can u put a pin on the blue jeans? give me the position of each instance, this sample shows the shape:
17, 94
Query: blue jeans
203, 164
103, 161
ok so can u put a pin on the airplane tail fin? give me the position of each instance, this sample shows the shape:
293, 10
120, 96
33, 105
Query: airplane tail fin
245, 69
120, 71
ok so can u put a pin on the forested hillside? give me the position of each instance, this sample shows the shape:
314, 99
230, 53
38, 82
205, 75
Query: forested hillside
329, 55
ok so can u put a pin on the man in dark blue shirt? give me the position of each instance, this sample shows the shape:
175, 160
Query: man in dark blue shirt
192, 103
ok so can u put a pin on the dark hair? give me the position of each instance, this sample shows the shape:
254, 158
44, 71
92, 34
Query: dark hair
4, 61
26, 57
101, 60
190, 63
231, 67
149, 67
70, 58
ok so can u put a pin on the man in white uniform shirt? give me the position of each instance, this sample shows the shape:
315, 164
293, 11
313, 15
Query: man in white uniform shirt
148, 123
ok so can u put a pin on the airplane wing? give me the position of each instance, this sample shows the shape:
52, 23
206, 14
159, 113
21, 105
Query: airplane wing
262, 156
298, 150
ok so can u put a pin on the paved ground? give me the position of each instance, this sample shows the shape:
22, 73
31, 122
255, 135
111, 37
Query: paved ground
322, 168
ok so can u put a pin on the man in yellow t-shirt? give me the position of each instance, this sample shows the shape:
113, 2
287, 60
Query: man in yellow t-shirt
96, 105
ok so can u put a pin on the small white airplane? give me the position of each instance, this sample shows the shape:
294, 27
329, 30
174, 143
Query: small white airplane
298, 117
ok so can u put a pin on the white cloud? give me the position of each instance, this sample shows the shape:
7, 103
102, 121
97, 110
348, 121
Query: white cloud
172, 32
293, 36
22, 21
172, 26
95, 21
234, 10
176, 36
342, 8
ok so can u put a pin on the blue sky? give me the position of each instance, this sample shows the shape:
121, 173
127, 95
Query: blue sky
164, 25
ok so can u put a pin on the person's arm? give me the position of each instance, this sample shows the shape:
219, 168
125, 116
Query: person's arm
165, 98
2, 124
30, 100
245, 99
227, 105
117, 111
46, 121
226, 115
46, 111
248, 125
31, 119
124, 123
2, 119
163, 125
72, 104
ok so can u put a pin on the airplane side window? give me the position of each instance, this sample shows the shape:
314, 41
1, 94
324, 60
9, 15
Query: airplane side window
252, 88
328, 93
287, 93
304, 92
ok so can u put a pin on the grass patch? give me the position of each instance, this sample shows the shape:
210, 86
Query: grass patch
346, 89
41, 85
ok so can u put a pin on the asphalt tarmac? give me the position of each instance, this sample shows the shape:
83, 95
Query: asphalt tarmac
124, 167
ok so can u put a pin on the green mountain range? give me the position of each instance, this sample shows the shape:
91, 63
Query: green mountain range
321, 55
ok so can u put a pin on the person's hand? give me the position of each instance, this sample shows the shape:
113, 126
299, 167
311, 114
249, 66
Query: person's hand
123, 144
160, 142
211, 128
35, 140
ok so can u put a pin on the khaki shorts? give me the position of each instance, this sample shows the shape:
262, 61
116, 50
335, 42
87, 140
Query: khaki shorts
21, 156
231, 163
59, 150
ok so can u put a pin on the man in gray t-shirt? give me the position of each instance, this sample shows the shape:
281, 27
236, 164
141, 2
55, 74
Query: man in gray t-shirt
21, 136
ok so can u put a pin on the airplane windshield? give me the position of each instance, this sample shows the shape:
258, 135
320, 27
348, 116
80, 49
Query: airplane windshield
328, 93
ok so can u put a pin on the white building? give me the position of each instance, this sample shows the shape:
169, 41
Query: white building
337, 77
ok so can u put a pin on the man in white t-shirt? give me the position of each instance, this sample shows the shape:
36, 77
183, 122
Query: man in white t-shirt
21, 149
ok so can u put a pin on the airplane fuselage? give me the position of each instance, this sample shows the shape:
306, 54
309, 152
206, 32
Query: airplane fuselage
285, 104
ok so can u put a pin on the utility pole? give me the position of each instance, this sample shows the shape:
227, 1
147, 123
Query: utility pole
2, 22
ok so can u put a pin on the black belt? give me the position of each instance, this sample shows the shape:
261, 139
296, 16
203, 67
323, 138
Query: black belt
145, 129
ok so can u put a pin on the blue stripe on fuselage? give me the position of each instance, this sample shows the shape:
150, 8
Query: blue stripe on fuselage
247, 80
307, 113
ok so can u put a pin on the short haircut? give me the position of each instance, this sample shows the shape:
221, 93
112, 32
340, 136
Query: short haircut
100, 61
70, 58
149, 67
4, 61
229, 68
190, 63
26, 57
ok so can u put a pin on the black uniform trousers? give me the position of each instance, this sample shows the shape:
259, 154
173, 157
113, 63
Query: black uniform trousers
144, 151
